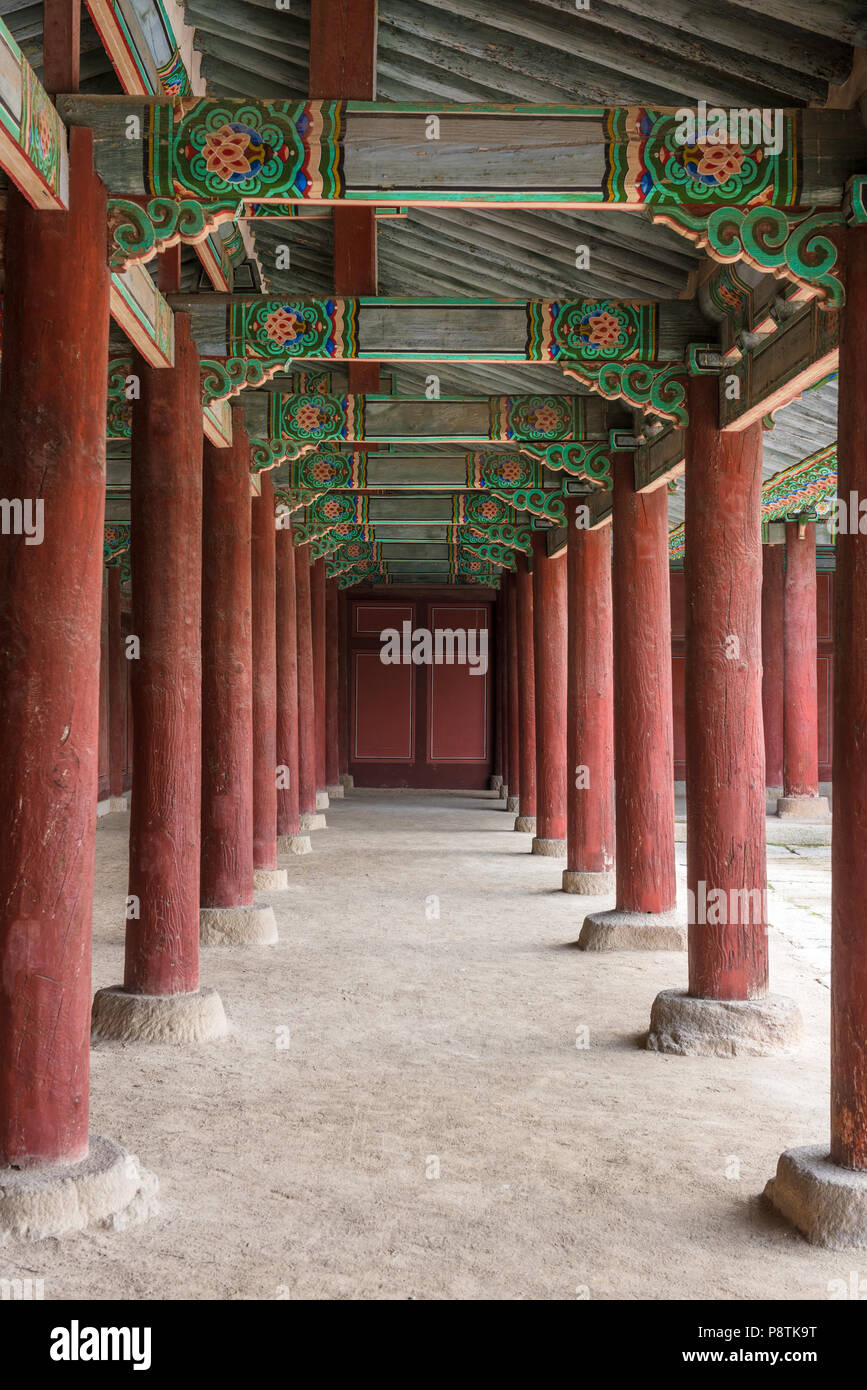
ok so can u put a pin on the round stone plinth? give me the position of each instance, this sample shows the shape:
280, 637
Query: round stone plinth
723, 1027
294, 844
504, 792
322, 801
161, 1018
526, 824
803, 808
107, 1190
117, 803
313, 820
237, 926
270, 880
827, 1204
347, 781
632, 931
335, 793
512, 803
552, 849
495, 784
576, 881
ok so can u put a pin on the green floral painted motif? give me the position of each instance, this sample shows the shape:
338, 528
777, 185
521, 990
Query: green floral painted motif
257, 149
310, 328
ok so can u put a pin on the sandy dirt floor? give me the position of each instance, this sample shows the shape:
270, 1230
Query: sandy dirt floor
420, 1015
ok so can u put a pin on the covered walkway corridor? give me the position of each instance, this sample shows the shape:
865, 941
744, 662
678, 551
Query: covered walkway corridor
428, 1093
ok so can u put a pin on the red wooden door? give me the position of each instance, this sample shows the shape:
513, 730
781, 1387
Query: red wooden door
425, 725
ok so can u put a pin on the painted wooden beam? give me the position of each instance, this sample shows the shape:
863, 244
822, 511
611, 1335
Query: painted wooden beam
140, 310
217, 424
536, 420
33, 147
374, 471
802, 352
143, 71
146, 63
284, 152
349, 329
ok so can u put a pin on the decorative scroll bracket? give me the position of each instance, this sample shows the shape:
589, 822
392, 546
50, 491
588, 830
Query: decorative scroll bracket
789, 244
139, 231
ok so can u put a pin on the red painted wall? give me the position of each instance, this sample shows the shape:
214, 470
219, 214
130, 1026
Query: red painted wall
824, 662
418, 726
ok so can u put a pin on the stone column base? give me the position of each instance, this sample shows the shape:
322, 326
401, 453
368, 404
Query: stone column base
322, 801
108, 1190
512, 803
552, 849
827, 1204
723, 1027
270, 880
117, 803
237, 926
495, 784
347, 781
803, 808
632, 931
577, 881
504, 792
294, 844
335, 792
526, 824
313, 820
160, 1018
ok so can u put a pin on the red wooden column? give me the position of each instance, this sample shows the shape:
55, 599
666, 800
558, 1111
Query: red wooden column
549, 657
644, 917
496, 782
266, 874
317, 629
346, 779
343, 64
333, 784
61, 45
116, 694
825, 1195
525, 821
290, 838
800, 799
503, 686
160, 999
311, 819
726, 1010
52, 419
511, 727
228, 913
772, 663
590, 711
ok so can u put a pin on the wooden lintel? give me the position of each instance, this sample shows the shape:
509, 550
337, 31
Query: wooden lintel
348, 329
217, 424
515, 420
139, 309
33, 143
120, 32
427, 154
